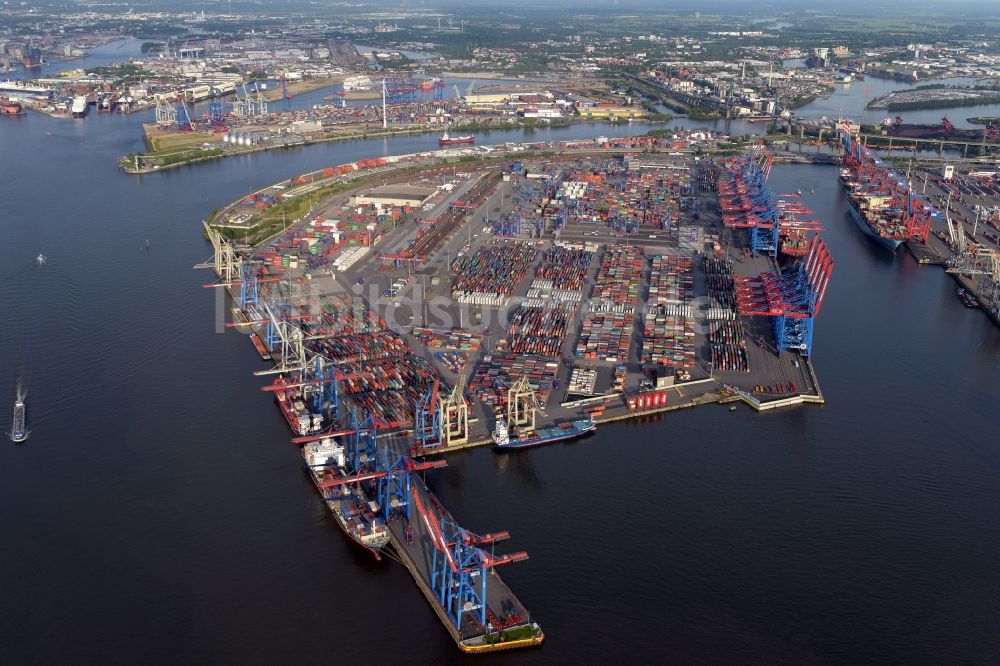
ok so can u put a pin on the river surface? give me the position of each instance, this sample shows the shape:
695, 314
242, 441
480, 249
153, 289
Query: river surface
158, 509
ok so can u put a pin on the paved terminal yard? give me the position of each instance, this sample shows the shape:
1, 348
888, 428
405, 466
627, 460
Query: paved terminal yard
598, 285
504, 212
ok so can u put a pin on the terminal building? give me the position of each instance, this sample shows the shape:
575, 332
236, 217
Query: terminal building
396, 195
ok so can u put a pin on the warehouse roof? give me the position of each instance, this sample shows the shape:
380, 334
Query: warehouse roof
397, 193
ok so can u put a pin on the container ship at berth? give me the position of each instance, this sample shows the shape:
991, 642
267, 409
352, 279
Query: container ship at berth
356, 514
293, 404
504, 438
877, 220
881, 203
447, 140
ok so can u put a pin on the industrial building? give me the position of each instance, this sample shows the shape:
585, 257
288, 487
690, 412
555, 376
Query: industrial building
396, 195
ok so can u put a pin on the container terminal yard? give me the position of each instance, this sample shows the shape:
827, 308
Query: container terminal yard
422, 304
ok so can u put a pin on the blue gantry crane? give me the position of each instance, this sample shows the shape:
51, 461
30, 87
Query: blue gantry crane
427, 419
249, 286
183, 118
792, 297
216, 117
460, 567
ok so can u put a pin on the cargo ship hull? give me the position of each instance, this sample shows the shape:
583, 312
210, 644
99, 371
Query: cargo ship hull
293, 404
456, 140
80, 107
561, 433
10, 108
890, 244
355, 514
19, 429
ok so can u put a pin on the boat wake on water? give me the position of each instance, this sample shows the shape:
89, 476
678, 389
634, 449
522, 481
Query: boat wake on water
19, 426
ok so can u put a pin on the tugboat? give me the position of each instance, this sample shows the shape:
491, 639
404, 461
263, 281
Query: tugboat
967, 298
19, 430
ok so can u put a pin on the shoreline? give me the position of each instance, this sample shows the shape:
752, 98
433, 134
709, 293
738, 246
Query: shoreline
303, 87
124, 161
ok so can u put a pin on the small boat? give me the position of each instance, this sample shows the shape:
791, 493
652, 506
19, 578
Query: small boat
447, 140
40, 260
19, 430
265, 355
968, 299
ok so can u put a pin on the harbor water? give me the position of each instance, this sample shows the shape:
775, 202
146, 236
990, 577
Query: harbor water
158, 509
